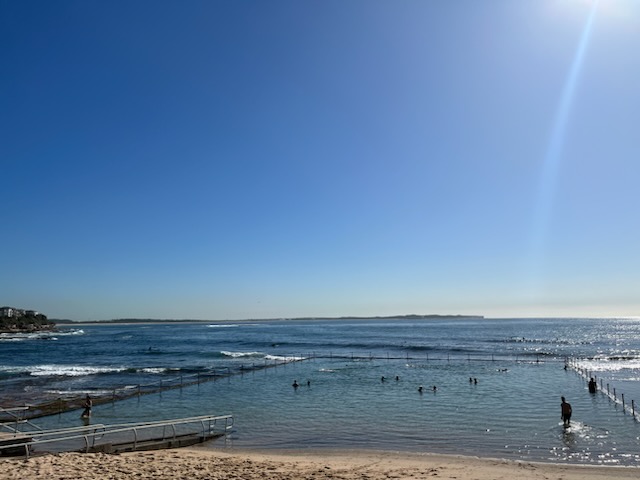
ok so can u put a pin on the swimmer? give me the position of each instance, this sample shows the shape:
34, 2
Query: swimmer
295, 384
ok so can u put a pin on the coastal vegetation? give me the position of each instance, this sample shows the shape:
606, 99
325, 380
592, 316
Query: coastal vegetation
17, 320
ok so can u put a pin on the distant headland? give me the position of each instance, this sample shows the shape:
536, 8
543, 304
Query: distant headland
292, 319
18, 320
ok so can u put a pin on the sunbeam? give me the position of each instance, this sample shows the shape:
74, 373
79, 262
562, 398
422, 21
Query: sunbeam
553, 157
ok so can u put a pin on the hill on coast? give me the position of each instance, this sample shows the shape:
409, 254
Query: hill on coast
17, 320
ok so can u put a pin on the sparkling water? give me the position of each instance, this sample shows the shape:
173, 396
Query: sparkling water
497, 382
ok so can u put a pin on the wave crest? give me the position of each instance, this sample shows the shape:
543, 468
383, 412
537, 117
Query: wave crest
242, 354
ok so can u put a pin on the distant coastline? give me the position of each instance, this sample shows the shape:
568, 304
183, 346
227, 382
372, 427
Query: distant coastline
293, 319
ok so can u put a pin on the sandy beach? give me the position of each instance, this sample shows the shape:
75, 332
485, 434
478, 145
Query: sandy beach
201, 463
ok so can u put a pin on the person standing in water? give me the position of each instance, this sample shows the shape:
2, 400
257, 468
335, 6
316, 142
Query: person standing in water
88, 403
565, 412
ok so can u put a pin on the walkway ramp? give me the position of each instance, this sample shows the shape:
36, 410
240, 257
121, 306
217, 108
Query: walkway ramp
119, 438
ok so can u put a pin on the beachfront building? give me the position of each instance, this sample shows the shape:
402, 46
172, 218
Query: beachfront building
12, 312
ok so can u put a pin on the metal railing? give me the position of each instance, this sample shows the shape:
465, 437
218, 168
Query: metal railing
132, 435
15, 418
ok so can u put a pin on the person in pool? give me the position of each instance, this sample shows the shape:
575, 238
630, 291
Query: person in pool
88, 403
565, 412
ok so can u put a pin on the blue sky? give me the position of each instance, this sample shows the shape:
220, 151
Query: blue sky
232, 160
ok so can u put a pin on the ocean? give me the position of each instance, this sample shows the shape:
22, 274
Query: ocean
498, 382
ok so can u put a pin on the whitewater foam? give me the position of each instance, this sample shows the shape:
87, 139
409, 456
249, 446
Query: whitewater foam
241, 354
69, 370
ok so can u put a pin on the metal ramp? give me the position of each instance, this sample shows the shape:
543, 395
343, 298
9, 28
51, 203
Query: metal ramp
118, 438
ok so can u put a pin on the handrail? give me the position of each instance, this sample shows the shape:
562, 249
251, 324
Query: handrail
12, 409
135, 438
61, 431
14, 430
167, 422
16, 419
55, 431
134, 428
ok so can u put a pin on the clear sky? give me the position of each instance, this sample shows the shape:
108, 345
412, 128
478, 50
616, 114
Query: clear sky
260, 159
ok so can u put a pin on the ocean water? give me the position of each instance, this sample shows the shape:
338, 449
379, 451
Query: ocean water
513, 411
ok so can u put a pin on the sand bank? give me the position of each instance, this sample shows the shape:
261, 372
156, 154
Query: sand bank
201, 463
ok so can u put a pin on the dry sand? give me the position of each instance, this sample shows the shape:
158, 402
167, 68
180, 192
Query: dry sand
201, 463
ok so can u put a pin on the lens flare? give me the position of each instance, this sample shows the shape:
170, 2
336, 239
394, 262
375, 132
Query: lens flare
553, 157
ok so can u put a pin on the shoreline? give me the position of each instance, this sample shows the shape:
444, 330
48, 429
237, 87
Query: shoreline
202, 462
321, 453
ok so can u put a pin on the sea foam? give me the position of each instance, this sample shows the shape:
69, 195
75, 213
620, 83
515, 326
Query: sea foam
70, 370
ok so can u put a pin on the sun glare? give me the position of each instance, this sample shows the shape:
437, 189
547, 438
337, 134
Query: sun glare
615, 11
554, 154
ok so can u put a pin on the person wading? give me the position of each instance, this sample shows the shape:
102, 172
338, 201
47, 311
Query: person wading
565, 412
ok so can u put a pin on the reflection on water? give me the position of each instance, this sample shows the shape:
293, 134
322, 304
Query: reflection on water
512, 411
